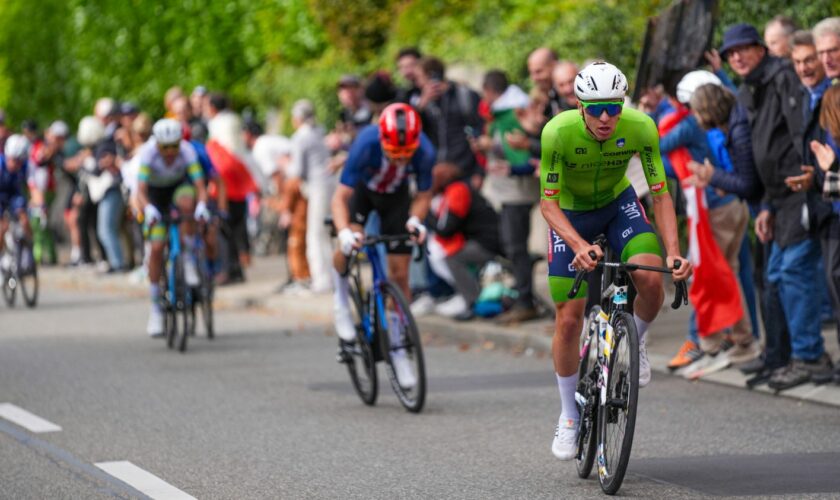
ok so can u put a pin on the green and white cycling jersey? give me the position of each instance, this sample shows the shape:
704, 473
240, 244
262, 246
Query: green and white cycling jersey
156, 173
585, 174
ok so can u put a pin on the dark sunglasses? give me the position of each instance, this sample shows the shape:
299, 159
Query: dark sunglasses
169, 147
596, 109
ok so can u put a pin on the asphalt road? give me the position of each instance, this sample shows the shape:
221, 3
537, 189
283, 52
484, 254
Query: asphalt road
264, 411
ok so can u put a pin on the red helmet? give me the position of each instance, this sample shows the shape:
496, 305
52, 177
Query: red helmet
399, 131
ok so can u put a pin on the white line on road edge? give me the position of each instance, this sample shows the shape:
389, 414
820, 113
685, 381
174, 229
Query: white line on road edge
143, 481
23, 418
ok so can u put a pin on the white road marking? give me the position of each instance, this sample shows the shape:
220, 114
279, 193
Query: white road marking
143, 481
23, 418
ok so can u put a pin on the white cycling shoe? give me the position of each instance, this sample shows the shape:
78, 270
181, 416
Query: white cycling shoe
403, 370
565, 443
155, 325
344, 324
644, 365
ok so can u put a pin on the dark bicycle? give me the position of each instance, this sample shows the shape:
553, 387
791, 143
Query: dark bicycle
608, 386
385, 329
18, 269
202, 294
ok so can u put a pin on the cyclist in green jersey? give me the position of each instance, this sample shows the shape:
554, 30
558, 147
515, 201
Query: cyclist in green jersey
585, 192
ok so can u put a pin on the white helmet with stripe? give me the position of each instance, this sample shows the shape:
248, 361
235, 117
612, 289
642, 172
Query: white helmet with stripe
600, 80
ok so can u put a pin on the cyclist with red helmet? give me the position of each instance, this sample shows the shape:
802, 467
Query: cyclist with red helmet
381, 161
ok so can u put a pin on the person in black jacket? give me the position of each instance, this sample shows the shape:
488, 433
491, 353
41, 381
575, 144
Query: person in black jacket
770, 92
466, 238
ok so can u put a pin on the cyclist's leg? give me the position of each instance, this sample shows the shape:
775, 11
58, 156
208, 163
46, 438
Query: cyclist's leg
184, 199
359, 208
631, 236
161, 198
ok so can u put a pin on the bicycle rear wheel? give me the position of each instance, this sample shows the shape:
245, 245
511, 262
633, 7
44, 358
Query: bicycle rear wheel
587, 387
359, 356
617, 416
204, 294
401, 344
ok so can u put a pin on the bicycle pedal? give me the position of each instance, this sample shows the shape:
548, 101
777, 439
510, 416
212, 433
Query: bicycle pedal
342, 356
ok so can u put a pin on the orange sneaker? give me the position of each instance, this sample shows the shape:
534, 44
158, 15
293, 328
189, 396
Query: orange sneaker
688, 353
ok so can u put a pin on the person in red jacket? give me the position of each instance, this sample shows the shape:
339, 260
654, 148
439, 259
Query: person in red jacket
466, 237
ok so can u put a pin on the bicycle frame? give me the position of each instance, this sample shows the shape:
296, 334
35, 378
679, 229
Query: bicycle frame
379, 276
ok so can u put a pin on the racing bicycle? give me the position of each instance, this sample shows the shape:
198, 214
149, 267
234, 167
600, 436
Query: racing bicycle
608, 386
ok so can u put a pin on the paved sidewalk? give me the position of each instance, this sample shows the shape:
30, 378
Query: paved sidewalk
532, 338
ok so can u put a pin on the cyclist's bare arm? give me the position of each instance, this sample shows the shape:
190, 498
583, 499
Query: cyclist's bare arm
421, 203
142, 194
340, 207
666, 221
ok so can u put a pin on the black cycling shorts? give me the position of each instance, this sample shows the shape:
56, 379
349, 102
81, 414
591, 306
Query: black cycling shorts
393, 209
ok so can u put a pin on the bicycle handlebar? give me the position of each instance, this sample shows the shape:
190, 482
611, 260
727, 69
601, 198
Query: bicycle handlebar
680, 298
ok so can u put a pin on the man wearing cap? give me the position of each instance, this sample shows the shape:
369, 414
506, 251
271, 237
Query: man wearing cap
770, 91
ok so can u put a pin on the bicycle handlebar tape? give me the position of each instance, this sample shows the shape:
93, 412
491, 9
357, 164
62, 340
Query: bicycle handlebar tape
576, 286
417, 253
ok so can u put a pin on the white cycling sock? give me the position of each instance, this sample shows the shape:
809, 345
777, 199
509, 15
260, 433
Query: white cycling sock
641, 327
154, 293
341, 286
567, 387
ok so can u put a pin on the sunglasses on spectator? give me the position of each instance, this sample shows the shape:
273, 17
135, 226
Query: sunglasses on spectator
169, 147
596, 109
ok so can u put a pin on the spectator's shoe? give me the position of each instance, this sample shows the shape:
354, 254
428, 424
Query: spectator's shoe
155, 325
565, 442
708, 364
452, 307
297, 289
689, 353
422, 305
740, 354
644, 364
754, 366
762, 376
517, 314
821, 369
788, 377
402, 369
467, 315
344, 326
727, 343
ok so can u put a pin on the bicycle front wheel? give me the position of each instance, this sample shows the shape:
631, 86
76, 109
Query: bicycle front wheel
617, 415
402, 348
9, 288
28, 276
359, 356
587, 388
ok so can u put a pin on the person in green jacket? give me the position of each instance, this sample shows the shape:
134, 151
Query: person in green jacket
511, 186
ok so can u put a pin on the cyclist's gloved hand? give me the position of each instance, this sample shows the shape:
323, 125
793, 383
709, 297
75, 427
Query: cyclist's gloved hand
201, 211
348, 240
415, 226
151, 214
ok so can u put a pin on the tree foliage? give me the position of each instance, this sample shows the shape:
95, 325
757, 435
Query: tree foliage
58, 57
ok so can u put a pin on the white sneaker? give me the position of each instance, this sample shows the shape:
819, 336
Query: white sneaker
565, 443
344, 324
452, 307
644, 365
422, 306
402, 368
708, 364
191, 272
155, 325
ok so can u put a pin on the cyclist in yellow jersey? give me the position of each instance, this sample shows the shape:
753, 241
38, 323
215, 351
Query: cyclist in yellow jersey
585, 192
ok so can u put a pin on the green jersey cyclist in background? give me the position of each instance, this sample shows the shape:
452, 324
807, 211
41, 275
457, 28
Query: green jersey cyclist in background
585, 192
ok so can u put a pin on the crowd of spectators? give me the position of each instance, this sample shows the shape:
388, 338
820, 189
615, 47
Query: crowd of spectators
764, 152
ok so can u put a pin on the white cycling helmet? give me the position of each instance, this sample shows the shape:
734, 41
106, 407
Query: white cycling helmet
17, 146
167, 131
691, 81
600, 80
90, 131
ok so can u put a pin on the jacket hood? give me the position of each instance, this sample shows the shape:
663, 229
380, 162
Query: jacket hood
766, 70
512, 98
